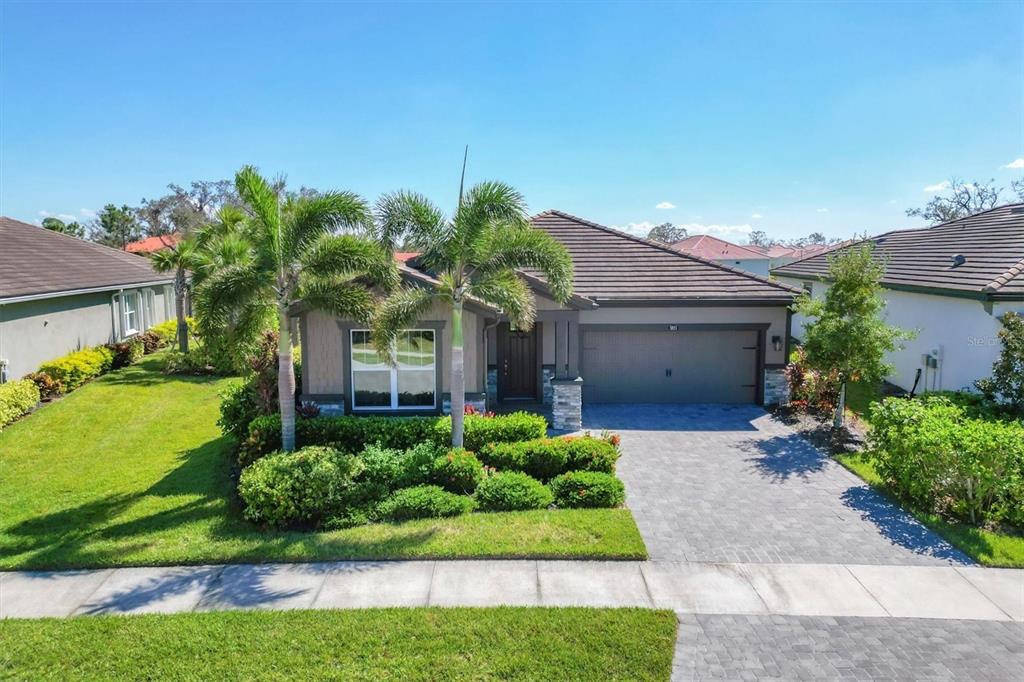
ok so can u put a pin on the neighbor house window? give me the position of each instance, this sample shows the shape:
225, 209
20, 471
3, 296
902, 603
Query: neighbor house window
407, 384
130, 310
808, 288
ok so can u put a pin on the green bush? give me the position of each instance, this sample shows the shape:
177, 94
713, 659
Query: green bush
74, 369
17, 398
126, 352
167, 331
545, 458
417, 465
238, 408
511, 491
299, 488
424, 502
506, 428
457, 471
588, 489
933, 454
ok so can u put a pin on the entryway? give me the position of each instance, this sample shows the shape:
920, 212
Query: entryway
518, 366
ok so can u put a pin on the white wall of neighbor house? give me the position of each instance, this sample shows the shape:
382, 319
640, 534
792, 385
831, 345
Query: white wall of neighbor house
34, 332
757, 266
959, 332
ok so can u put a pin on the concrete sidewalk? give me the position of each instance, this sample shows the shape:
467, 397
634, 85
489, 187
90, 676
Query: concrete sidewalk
955, 593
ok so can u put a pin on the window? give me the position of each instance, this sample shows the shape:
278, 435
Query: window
409, 385
149, 311
130, 310
808, 288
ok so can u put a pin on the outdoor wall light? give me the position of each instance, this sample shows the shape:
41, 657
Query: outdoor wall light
777, 342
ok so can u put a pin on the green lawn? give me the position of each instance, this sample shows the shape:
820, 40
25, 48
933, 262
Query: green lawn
375, 644
860, 395
985, 547
132, 470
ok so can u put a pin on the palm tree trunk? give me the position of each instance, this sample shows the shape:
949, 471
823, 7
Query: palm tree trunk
285, 379
458, 387
179, 309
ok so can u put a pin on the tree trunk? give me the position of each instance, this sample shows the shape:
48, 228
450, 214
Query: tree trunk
458, 387
179, 310
285, 379
840, 416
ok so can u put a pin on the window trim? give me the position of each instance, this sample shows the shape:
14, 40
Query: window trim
393, 376
126, 329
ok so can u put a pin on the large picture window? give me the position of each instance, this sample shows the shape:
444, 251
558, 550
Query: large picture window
409, 384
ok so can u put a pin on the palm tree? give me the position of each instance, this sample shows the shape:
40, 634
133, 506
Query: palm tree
296, 254
181, 258
474, 254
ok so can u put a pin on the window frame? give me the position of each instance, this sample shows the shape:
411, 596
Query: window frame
393, 372
126, 298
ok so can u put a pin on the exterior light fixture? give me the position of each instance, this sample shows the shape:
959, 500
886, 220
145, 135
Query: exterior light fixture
777, 342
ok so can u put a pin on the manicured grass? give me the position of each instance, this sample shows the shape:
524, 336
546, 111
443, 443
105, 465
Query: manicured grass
985, 547
860, 395
376, 644
132, 470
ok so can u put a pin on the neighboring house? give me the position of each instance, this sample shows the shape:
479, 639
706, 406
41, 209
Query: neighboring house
779, 255
720, 251
646, 324
153, 244
59, 294
951, 283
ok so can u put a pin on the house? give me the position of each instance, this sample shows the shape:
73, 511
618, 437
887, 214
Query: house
646, 324
720, 251
779, 255
950, 283
59, 294
153, 244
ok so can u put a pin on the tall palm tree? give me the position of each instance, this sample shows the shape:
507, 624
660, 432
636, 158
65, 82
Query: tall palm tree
180, 258
298, 255
475, 254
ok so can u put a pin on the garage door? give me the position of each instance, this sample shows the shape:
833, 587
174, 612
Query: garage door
669, 367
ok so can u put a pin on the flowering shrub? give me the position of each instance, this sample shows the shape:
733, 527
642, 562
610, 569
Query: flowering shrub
811, 388
458, 471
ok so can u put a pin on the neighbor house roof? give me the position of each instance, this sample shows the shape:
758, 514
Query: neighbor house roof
153, 244
615, 267
40, 263
713, 248
981, 256
795, 252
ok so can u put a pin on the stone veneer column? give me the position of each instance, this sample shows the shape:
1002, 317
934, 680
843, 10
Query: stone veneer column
567, 404
776, 388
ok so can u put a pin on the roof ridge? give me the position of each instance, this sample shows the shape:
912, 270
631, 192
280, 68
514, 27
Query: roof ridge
668, 249
88, 242
973, 215
1005, 278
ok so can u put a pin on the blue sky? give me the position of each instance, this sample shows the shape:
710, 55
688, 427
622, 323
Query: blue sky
782, 117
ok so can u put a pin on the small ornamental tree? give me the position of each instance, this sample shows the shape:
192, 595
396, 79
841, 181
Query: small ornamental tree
848, 335
1007, 381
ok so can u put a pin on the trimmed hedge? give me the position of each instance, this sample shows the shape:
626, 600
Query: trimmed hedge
546, 458
512, 491
74, 369
17, 398
591, 489
353, 433
458, 471
424, 502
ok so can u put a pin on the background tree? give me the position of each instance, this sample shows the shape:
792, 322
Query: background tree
1007, 380
847, 334
298, 255
183, 211
962, 200
116, 227
475, 254
179, 258
667, 233
760, 238
57, 225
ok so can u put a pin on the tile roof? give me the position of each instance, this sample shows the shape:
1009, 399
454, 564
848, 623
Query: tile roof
152, 244
36, 261
614, 266
991, 243
713, 248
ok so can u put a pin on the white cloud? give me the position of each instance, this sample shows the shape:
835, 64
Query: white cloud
822, 210
87, 212
938, 187
1016, 163
66, 217
639, 229
728, 232
756, 216
665, 205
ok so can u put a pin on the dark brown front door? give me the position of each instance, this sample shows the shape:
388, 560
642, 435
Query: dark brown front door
517, 363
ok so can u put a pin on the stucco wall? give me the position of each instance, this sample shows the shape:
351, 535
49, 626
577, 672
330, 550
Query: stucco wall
324, 364
34, 332
758, 266
963, 332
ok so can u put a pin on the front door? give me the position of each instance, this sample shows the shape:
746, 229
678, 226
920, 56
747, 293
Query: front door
517, 363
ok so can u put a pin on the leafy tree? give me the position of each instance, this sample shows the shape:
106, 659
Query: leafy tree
1007, 380
760, 238
847, 335
57, 225
475, 254
297, 255
964, 199
667, 233
115, 227
184, 210
817, 238
179, 258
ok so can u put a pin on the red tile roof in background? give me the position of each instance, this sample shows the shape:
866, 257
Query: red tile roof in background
712, 248
151, 244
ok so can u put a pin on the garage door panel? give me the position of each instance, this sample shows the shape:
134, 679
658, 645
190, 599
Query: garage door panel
634, 366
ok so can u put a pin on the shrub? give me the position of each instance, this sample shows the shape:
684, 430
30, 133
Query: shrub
417, 465
930, 452
74, 369
457, 471
588, 489
298, 488
592, 454
151, 343
382, 473
49, 388
545, 458
196, 362
167, 332
126, 352
1007, 381
424, 502
238, 407
511, 491
817, 390
17, 398
507, 428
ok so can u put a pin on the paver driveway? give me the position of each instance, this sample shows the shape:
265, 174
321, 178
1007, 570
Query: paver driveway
721, 483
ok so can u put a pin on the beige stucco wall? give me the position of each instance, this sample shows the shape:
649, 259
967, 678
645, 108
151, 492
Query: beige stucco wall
324, 364
34, 332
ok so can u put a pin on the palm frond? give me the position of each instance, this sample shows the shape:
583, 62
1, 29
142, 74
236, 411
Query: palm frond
344, 299
262, 201
347, 255
485, 204
510, 293
530, 249
398, 311
408, 219
310, 217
